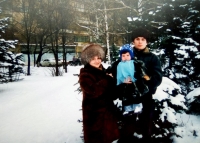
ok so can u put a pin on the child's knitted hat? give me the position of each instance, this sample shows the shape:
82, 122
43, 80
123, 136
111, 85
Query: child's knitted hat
126, 48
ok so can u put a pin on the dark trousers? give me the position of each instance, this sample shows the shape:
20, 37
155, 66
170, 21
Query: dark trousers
146, 118
127, 129
142, 126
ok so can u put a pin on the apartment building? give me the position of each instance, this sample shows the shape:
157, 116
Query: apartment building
85, 23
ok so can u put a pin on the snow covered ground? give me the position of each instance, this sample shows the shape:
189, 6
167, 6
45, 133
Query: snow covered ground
46, 109
41, 109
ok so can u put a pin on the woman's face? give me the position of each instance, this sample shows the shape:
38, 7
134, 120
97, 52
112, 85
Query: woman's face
140, 43
96, 62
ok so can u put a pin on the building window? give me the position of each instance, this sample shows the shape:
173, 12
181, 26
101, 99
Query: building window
81, 39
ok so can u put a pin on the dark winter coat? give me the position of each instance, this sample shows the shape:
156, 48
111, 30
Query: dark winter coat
99, 121
153, 67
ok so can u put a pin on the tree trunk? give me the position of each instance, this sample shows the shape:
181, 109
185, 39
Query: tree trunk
39, 55
29, 60
140, 9
64, 58
107, 34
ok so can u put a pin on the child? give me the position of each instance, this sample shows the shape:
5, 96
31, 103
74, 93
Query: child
124, 71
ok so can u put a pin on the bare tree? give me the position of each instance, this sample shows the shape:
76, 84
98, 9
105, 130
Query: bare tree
57, 25
26, 24
66, 19
42, 32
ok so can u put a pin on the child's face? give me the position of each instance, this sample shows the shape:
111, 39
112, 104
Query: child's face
126, 56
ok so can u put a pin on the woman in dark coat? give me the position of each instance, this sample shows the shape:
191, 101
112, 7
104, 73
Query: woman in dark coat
99, 120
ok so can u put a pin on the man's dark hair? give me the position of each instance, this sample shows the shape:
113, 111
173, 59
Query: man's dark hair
140, 32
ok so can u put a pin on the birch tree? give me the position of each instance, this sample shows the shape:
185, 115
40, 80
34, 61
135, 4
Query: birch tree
101, 15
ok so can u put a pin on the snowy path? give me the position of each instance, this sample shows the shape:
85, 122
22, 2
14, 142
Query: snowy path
40, 109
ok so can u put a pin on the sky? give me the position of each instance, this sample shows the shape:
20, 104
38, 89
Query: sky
45, 109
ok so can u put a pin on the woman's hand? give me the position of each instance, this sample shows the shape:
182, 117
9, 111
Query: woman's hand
109, 74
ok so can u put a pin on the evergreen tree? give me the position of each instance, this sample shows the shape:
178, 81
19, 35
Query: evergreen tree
114, 53
10, 64
167, 105
177, 39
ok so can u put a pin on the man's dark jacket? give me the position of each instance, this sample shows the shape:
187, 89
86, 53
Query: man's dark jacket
152, 63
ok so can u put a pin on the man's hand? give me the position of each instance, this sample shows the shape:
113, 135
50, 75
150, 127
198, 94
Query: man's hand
146, 77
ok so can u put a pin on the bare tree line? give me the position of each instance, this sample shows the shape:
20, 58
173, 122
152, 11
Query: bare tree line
56, 22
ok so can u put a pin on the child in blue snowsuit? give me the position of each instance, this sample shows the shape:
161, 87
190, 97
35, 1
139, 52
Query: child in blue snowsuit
128, 73
130, 77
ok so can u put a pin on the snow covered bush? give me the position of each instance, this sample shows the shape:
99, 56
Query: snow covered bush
184, 70
53, 71
11, 65
168, 101
193, 101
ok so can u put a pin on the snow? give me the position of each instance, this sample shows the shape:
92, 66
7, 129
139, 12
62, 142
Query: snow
46, 109
12, 46
5, 64
175, 37
178, 100
194, 11
197, 57
136, 18
181, 52
183, 5
188, 125
167, 85
129, 18
151, 12
41, 109
191, 41
168, 113
192, 94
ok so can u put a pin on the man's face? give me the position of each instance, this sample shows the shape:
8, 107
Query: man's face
126, 56
140, 43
